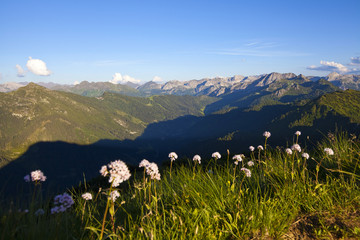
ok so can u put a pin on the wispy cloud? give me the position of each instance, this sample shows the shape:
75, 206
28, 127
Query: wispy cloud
258, 49
104, 63
328, 66
20, 71
115, 62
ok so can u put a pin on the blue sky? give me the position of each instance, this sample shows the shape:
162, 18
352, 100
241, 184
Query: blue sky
71, 41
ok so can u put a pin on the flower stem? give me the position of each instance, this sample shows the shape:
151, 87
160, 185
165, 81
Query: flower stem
106, 210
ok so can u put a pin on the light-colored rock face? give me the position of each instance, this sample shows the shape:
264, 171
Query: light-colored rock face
11, 86
333, 76
348, 81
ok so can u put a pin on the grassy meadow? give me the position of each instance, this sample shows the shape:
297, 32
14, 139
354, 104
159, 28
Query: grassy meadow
287, 192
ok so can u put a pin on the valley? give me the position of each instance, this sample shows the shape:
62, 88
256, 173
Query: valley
57, 131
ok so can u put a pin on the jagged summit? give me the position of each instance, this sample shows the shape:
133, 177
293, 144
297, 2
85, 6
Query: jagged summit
217, 86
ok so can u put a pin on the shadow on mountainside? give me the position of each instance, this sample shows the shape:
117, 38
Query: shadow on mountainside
66, 164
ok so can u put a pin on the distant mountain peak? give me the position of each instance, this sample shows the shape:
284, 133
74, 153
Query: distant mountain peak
32, 85
333, 76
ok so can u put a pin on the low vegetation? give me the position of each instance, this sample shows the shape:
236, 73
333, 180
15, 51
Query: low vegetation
281, 193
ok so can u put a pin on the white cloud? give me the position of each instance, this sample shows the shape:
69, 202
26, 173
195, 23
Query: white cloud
329, 67
38, 67
354, 61
20, 71
76, 83
118, 78
127, 78
156, 79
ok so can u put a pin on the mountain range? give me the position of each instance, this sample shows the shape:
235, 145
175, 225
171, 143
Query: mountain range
217, 87
60, 131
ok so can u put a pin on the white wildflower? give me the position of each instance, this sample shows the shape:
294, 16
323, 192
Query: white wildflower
87, 196
246, 171
260, 147
266, 134
173, 156
297, 133
237, 158
118, 171
296, 147
103, 171
251, 148
144, 163
250, 163
35, 176
305, 155
197, 158
114, 195
329, 151
153, 171
216, 155
289, 151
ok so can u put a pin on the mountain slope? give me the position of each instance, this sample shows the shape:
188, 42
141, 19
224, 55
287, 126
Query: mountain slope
34, 113
239, 128
96, 89
277, 92
344, 104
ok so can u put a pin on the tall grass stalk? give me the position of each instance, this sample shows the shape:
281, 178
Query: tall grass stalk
292, 197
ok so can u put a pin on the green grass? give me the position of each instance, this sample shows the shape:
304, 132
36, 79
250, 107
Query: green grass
286, 197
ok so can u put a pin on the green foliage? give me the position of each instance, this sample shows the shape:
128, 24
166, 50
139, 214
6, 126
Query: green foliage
287, 196
342, 104
33, 113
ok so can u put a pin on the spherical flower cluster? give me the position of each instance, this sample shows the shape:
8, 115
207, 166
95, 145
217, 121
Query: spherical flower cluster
144, 163
114, 195
266, 134
251, 148
173, 156
237, 158
261, 148
305, 155
35, 176
329, 151
62, 202
297, 133
296, 147
197, 158
153, 171
289, 151
246, 171
216, 155
87, 196
250, 163
118, 171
